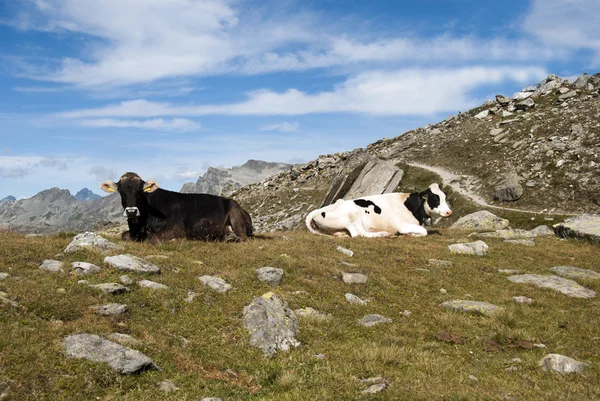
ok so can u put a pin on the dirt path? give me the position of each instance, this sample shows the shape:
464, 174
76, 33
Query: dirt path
455, 181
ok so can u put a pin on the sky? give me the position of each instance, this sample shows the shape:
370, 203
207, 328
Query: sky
91, 89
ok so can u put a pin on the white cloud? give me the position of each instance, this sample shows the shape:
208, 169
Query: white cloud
281, 127
400, 92
176, 124
102, 173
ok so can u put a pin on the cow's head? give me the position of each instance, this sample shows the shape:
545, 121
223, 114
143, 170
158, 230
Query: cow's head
132, 189
435, 202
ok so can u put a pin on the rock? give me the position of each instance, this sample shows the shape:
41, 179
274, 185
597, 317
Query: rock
508, 271
124, 339
548, 85
51, 265
94, 348
496, 131
561, 364
270, 275
439, 263
507, 234
525, 104
312, 314
542, 231
215, 283
125, 279
575, 272
152, 285
167, 386
345, 251
353, 299
375, 388
522, 300
92, 241
509, 189
373, 320
477, 307
111, 288
354, 278
521, 95
566, 96
190, 297
481, 115
473, 378
6, 300
477, 248
84, 268
482, 220
110, 309
562, 285
503, 100
212, 399
271, 323
131, 263
4, 276
586, 226
523, 241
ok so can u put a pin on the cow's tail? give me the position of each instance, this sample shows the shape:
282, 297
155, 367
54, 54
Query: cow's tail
310, 223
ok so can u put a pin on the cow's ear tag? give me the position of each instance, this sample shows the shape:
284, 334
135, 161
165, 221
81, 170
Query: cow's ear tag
424, 197
150, 186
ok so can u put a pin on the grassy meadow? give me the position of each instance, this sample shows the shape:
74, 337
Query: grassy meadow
203, 348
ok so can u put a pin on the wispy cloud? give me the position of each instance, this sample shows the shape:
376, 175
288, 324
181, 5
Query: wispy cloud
400, 92
281, 127
173, 125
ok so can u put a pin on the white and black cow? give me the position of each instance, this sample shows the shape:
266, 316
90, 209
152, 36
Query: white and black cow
380, 215
154, 213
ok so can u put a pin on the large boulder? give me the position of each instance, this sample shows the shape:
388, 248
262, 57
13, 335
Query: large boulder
91, 241
586, 226
509, 189
482, 220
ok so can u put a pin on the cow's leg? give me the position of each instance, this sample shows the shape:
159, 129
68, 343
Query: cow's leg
412, 229
238, 224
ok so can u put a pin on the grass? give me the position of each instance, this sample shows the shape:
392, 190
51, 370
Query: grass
203, 348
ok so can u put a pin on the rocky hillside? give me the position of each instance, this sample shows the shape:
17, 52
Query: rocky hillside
537, 150
224, 181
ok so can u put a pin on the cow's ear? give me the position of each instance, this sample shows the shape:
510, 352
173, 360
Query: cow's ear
150, 186
108, 186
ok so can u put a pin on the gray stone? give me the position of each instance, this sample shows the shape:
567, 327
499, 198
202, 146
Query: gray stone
94, 348
525, 104
312, 314
496, 131
542, 231
375, 388
575, 272
560, 284
124, 339
439, 263
131, 263
6, 300
271, 323
111, 288
354, 278
345, 251
215, 283
373, 320
507, 234
522, 241
110, 309
482, 114
477, 248
509, 189
125, 279
508, 271
522, 300
568, 95
482, 220
476, 307
51, 265
190, 297
562, 364
152, 285
92, 241
548, 85
270, 275
521, 95
503, 100
84, 268
167, 386
212, 399
4, 276
586, 226
353, 299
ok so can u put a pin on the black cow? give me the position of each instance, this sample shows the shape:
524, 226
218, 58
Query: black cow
154, 213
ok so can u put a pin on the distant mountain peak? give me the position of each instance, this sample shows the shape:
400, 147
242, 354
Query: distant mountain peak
8, 198
86, 195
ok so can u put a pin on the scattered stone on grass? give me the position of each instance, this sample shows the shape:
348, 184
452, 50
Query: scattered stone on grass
312, 314
124, 339
477, 307
271, 323
6, 300
212, 399
92, 241
439, 263
508, 271
215, 283
4, 276
95, 348
443, 291
509, 233
111, 288
353, 299
320, 356
84, 268
560, 284
167, 386
542, 231
473, 378
586, 226
482, 220
561, 364
345, 251
523, 241
190, 296
373, 320
354, 278
82, 281
477, 248
131, 263
375, 388
152, 285
125, 279
270, 275
51, 265
522, 300
575, 272
112, 309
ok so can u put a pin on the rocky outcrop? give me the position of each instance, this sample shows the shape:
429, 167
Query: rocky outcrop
482, 220
8, 198
582, 227
509, 190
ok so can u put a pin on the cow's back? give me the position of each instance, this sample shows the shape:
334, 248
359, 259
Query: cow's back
384, 211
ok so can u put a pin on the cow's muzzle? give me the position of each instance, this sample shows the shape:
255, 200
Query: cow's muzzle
131, 212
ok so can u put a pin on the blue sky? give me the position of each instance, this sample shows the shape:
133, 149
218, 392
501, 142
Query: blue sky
91, 89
